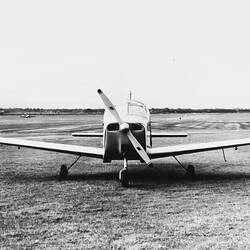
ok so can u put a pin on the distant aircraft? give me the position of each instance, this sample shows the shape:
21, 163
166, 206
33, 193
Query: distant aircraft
26, 115
127, 135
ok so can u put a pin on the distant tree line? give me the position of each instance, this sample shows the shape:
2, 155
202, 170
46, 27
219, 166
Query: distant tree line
65, 111
186, 110
41, 111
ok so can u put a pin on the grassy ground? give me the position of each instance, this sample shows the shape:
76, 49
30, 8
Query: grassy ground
161, 210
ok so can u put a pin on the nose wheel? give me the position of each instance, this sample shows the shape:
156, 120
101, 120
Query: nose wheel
123, 177
123, 174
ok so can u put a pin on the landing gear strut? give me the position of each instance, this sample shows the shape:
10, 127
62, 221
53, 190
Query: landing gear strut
190, 170
123, 174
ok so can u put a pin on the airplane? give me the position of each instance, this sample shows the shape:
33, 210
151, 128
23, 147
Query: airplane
26, 115
127, 135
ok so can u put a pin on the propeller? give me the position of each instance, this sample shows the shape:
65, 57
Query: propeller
124, 128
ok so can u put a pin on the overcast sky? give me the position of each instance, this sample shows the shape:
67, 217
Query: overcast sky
191, 54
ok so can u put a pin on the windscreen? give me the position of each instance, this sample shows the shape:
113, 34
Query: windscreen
137, 109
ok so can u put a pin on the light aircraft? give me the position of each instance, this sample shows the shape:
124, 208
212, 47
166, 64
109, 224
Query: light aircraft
26, 115
127, 135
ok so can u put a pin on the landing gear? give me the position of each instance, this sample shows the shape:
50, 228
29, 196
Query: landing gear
123, 174
190, 171
63, 172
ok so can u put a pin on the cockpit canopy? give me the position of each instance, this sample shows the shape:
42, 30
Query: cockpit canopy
137, 109
130, 111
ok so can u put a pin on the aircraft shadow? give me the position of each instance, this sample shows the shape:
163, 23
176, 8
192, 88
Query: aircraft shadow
160, 174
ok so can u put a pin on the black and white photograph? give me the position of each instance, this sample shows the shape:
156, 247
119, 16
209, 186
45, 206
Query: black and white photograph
124, 124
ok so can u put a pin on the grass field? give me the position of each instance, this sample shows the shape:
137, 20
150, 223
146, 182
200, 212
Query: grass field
161, 210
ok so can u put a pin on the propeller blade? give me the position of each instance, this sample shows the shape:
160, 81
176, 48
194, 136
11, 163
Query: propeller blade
110, 106
139, 149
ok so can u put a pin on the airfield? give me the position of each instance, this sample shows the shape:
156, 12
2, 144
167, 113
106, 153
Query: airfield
162, 208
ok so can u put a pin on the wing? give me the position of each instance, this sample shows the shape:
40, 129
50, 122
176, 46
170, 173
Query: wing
55, 147
195, 148
87, 134
169, 135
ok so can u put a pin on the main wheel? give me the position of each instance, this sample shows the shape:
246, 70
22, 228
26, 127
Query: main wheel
123, 176
63, 172
191, 171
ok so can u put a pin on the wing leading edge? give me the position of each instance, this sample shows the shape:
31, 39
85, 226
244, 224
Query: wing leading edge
153, 153
169, 134
160, 152
55, 147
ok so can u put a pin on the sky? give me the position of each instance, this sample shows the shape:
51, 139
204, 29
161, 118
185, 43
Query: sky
176, 54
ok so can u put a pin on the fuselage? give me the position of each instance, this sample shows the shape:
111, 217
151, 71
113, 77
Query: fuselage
116, 144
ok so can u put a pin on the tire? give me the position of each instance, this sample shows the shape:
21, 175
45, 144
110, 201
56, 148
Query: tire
63, 172
191, 171
124, 178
